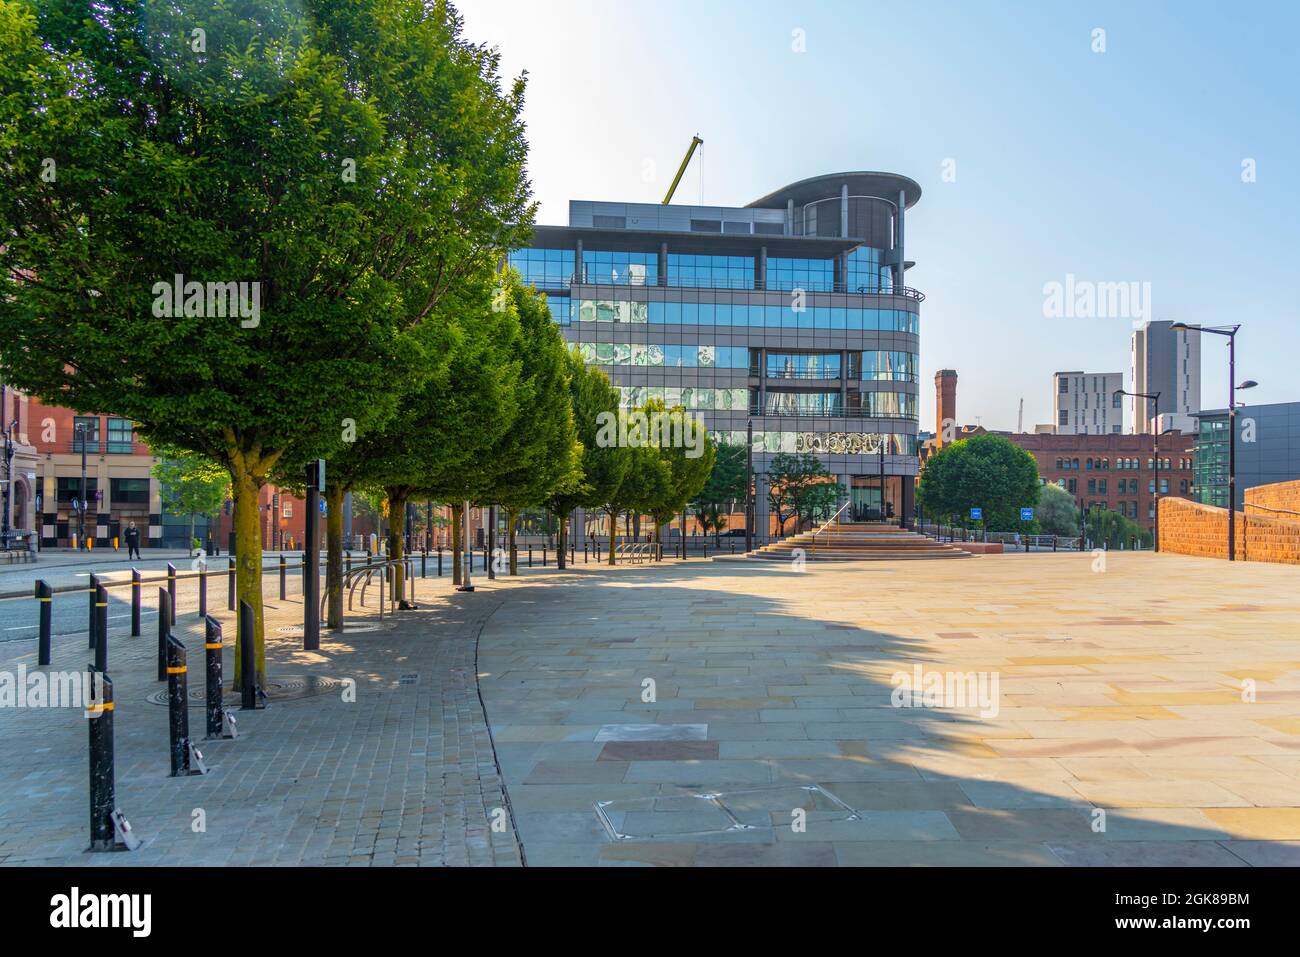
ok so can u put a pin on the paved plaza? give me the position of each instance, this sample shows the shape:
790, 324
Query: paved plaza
726, 713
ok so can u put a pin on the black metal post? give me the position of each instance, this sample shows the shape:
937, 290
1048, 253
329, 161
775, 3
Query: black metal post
103, 791
178, 711
135, 603
1232, 446
230, 588
284, 567
94, 620
439, 561
248, 687
171, 588
101, 629
212, 648
424, 563
203, 589
45, 600
749, 492
491, 542
164, 628
311, 595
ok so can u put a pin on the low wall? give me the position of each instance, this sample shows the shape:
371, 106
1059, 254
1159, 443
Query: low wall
1190, 528
1279, 497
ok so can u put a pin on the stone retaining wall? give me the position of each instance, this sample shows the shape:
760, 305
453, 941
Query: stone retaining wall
1190, 528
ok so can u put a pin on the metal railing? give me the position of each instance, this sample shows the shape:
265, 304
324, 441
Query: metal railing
679, 282
834, 520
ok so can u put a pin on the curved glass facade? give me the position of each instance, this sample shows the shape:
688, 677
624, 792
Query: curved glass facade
749, 316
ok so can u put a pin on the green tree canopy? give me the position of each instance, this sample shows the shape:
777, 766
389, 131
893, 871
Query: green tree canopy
985, 471
792, 486
1057, 514
318, 176
191, 484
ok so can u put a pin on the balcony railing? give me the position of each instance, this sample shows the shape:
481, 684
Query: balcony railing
679, 282
848, 412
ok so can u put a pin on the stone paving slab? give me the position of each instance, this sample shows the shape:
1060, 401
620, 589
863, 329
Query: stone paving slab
1121, 693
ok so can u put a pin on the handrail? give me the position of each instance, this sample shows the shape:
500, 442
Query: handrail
834, 519
1275, 511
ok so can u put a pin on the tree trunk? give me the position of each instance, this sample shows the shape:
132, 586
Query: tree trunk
189, 542
334, 495
248, 568
455, 545
613, 534
397, 542
562, 553
512, 519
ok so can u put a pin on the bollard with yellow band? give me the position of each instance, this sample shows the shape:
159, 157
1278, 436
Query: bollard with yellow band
115, 543
101, 628
186, 759
45, 599
221, 723
109, 830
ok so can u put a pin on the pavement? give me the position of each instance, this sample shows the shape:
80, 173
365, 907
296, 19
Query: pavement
1135, 709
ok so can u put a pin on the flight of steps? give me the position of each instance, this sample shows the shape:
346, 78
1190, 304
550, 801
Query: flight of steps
856, 542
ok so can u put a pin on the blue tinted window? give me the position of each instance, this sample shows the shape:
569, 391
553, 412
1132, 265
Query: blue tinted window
720, 272
620, 268
811, 274
544, 268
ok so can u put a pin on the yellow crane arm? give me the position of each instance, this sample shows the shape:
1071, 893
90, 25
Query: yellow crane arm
695, 141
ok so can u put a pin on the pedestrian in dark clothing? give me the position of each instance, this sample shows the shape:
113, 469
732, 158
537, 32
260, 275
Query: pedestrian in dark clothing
132, 542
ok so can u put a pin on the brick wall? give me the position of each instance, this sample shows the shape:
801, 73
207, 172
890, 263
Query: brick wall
1283, 496
1190, 528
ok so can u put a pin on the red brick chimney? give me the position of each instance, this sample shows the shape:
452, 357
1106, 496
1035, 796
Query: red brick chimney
945, 405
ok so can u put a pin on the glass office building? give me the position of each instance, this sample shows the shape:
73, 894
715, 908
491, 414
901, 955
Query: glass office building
793, 313
1268, 450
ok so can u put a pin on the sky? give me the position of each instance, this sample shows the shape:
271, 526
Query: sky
1164, 151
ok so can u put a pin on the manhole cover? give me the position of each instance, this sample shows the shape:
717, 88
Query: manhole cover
277, 688
347, 629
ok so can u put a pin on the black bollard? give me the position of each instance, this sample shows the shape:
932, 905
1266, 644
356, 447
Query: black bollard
230, 588
304, 573
221, 724
164, 627
251, 695
424, 564
543, 554
283, 578
186, 758
530, 556
584, 553
203, 589
439, 561
44, 600
109, 830
349, 564
94, 619
135, 603
171, 588
101, 629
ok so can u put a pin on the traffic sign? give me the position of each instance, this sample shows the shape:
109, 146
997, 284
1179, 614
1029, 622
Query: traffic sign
1026, 514
977, 514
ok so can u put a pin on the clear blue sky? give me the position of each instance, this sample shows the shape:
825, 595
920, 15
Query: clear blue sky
1117, 166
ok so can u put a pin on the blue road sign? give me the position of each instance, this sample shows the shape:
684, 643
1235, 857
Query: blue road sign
322, 506
1026, 514
977, 514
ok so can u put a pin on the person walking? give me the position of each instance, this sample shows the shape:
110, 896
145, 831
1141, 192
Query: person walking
132, 542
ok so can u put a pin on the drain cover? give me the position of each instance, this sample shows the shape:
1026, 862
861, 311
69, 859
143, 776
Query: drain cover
277, 688
673, 817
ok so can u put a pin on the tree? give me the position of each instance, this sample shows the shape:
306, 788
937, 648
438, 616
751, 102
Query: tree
687, 454
540, 451
1057, 514
1115, 530
604, 465
724, 487
191, 484
645, 482
985, 471
791, 479
230, 245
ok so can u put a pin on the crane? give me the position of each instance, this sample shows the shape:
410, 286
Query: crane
695, 142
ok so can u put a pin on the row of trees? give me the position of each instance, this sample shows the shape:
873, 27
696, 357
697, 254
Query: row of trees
330, 192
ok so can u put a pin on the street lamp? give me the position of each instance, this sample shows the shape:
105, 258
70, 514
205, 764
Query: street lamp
1154, 397
79, 430
9, 478
1231, 333
749, 493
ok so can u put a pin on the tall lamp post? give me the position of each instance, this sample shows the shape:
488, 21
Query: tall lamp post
1231, 333
80, 432
1153, 397
9, 478
749, 492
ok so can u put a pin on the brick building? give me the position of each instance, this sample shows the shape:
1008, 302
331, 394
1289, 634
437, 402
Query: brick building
1116, 472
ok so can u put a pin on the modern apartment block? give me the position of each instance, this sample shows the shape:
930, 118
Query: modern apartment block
792, 312
1084, 403
1167, 361
1268, 450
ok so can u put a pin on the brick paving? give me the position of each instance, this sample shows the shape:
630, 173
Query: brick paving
403, 776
